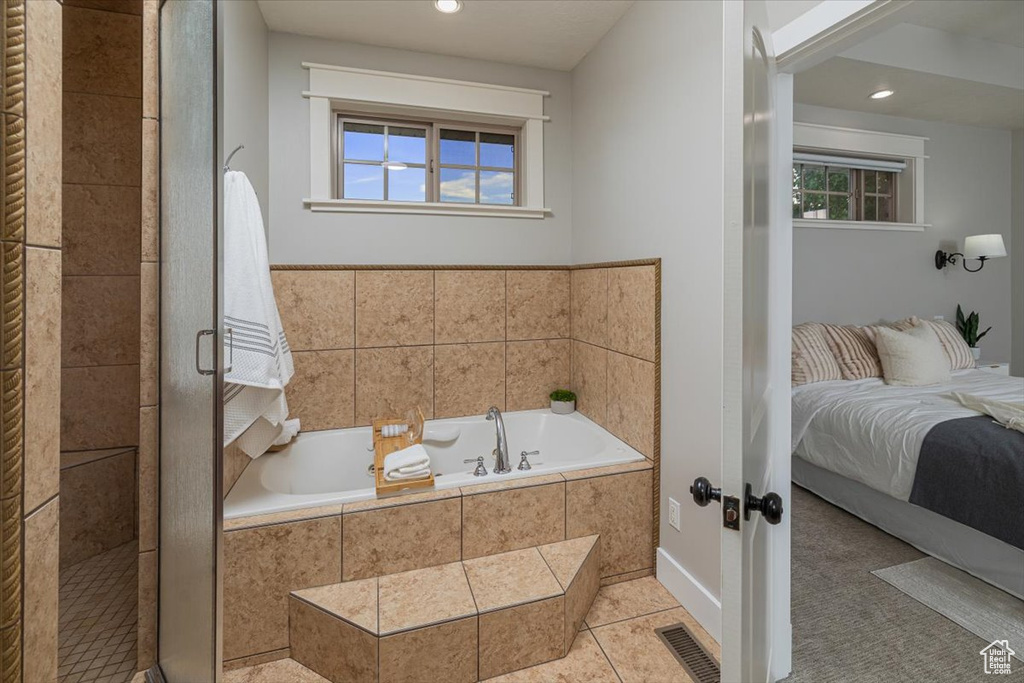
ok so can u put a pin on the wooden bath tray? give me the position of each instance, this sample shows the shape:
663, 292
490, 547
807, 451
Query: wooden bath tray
384, 446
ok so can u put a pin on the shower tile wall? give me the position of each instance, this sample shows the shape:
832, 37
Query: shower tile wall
102, 159
32, 247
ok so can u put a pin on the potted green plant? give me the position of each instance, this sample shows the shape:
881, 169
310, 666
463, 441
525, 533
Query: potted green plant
968, 328
563, 401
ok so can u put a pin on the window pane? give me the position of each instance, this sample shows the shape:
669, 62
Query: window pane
458, 185
814, 177
885, 183
869, 182
838, 207
885, 209
407, 144
814, 205
364, 141
838, 180
796, 177
869, 209
458, 147
407, 185
796, 205
496, 187
497, 150
364, 181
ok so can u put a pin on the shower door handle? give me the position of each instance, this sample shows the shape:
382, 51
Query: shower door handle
199, 368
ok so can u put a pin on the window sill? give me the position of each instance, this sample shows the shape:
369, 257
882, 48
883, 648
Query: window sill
423, 208
860, 225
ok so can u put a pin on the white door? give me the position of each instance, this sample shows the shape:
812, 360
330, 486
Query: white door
750, 639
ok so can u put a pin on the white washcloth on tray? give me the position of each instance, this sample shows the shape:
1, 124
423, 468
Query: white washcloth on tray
408, 463
255, 409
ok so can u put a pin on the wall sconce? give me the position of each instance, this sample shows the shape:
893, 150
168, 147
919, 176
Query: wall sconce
980, 247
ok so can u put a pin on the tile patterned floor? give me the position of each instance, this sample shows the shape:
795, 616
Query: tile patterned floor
98, 606
617, 643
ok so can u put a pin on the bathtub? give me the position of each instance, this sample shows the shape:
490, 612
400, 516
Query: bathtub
333, 467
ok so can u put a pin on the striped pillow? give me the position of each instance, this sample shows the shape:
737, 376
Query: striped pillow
812, 359
854, 350
957, 351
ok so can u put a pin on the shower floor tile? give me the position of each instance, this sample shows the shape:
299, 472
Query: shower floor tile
98, 610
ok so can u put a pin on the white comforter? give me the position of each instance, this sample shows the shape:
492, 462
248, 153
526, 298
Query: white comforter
871, 432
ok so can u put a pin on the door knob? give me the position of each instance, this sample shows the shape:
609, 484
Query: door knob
770, 506
703, 492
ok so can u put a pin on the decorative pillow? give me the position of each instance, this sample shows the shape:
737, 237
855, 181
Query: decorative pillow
958, 353
913, 358
854, 350
812, 359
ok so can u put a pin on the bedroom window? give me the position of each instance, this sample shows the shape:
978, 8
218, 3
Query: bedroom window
842, 193
426, 161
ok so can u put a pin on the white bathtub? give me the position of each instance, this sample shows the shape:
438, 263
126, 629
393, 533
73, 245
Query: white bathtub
331, 467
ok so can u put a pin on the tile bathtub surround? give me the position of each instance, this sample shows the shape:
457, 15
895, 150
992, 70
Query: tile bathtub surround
453, 341
261, 566
512, 519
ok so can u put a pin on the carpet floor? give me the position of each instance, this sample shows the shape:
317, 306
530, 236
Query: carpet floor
850, 626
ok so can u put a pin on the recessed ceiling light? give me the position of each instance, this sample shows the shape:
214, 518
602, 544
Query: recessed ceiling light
448, 6
881, 94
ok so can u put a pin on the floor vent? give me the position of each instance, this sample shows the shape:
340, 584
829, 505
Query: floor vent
697, 661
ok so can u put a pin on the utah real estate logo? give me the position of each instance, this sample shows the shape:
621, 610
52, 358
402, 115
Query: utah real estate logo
997, 657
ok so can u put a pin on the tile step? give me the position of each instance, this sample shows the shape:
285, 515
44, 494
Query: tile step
463, 621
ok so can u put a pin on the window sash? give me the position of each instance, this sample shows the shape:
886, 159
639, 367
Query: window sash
857, 194
432, 166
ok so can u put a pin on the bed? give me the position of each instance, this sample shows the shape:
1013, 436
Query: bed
920, 466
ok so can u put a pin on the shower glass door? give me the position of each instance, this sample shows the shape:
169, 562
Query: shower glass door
191, 365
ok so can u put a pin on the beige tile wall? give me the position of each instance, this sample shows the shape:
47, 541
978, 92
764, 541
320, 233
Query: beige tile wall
32, 248
373, 343
614, 343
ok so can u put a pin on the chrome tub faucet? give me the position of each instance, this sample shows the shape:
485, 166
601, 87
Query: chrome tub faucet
501, 465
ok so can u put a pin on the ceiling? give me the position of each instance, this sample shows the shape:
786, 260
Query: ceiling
999, 21
553, 34
931, 79
843, 83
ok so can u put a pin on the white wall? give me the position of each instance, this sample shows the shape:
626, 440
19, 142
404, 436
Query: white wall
781, 12
1017, 254
861, 276
298, 235
647, 181
245, 94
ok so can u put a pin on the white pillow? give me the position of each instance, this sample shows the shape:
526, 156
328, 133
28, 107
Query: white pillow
913, 358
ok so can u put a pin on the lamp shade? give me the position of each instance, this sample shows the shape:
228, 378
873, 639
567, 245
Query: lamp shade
984, 246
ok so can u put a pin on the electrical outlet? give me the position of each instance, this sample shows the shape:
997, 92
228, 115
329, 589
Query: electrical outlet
673, 513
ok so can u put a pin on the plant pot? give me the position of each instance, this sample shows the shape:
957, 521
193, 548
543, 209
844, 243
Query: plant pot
976, 352
563, 407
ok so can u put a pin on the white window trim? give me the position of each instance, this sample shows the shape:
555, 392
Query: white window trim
850, 141
358, 89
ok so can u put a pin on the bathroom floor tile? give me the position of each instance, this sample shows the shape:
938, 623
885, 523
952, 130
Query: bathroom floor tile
274, 672
636, 652
628, 600
508, 579
97, 617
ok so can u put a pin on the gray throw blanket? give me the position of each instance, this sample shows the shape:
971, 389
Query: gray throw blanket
972, 470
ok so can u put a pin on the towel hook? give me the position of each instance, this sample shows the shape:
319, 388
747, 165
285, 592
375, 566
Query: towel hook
227, 162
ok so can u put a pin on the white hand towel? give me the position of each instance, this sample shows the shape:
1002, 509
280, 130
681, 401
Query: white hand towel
421, 473
413, 456
255, 408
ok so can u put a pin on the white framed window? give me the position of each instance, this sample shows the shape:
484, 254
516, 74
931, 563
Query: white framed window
425, 161
857, 179
383, 142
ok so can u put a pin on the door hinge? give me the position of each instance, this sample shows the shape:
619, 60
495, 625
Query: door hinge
731, 512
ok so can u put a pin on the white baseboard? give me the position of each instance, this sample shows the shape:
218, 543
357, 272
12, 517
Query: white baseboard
698, 601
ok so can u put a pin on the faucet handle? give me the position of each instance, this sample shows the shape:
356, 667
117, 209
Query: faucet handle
480, 470
524, 464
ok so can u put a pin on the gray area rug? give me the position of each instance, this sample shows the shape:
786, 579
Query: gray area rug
851, 627
984, 610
